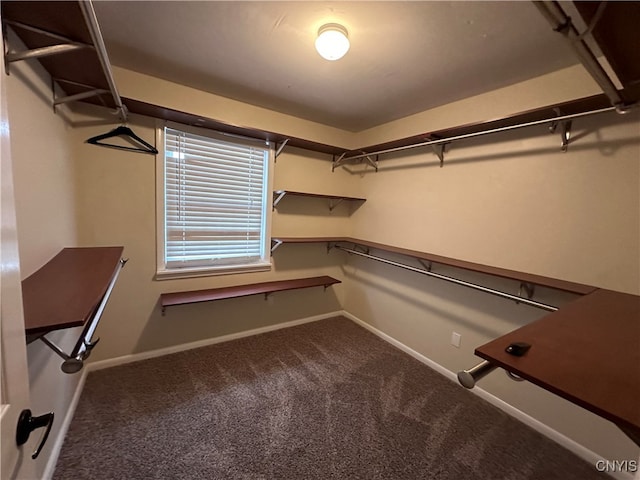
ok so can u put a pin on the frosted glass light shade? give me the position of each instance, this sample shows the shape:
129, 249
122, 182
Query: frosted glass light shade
332, 42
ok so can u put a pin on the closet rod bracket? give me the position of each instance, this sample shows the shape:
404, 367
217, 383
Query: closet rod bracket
337, 162
427, 264
565, 130
334, 203
277, 196
439, 150
372, 162
528, 288
66, 44
275, 243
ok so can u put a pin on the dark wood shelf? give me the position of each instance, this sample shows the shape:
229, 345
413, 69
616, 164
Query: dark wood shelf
540, 280
278, 195
266, 288
65, 292
588, 352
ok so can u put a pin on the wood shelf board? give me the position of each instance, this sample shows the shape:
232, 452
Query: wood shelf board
588, 352
309, 239
197, 296
319, 195
554, 283
63, 18
65, 292
155, 111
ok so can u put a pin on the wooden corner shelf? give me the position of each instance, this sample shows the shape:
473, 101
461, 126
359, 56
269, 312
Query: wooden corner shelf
66, 291
588, 352
266, 288
333, 200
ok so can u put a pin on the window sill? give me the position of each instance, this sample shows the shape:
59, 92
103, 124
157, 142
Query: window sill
175, 273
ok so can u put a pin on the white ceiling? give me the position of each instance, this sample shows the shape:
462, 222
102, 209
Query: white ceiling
405, 57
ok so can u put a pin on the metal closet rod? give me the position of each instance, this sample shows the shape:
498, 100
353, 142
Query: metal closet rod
96, 35
439, 141
491, 291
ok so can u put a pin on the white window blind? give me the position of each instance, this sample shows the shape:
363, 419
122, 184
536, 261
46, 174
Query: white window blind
215, 201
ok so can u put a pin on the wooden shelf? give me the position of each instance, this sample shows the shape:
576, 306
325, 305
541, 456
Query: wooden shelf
588, 352
266, 288
554, 283
278, 195
65, 292
615, 33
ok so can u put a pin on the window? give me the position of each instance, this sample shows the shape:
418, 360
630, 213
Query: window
214, 204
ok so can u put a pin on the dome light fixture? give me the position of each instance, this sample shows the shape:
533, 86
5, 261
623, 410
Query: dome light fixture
332, 42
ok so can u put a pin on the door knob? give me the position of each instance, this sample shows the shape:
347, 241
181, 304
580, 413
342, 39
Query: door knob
28, 423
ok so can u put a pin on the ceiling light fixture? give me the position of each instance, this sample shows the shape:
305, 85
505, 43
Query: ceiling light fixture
332, 42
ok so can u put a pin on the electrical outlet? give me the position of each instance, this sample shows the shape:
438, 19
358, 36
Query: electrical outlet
455, 339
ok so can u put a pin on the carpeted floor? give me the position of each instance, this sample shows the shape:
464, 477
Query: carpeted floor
324, 400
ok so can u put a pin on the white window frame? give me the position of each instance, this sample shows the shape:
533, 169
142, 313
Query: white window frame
165, 273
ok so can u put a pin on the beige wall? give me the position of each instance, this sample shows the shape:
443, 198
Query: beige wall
44, 177
185, 99
563, 85
118, 208
511, 200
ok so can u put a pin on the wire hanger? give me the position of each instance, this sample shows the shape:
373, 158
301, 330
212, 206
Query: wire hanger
126, 132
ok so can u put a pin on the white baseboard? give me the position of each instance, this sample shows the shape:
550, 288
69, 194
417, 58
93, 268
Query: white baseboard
571, 445
135, 357
66, 421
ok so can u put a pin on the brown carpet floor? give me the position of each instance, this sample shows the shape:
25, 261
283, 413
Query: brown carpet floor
324, 400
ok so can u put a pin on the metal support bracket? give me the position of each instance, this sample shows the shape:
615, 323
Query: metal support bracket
427, 264
362, 248
565, 131
275, 243
439, 150
333, 205
528, 288
66, 45
280, 147
372, 162
337, 162
91, 92
565, 134
513, 376
277, 196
